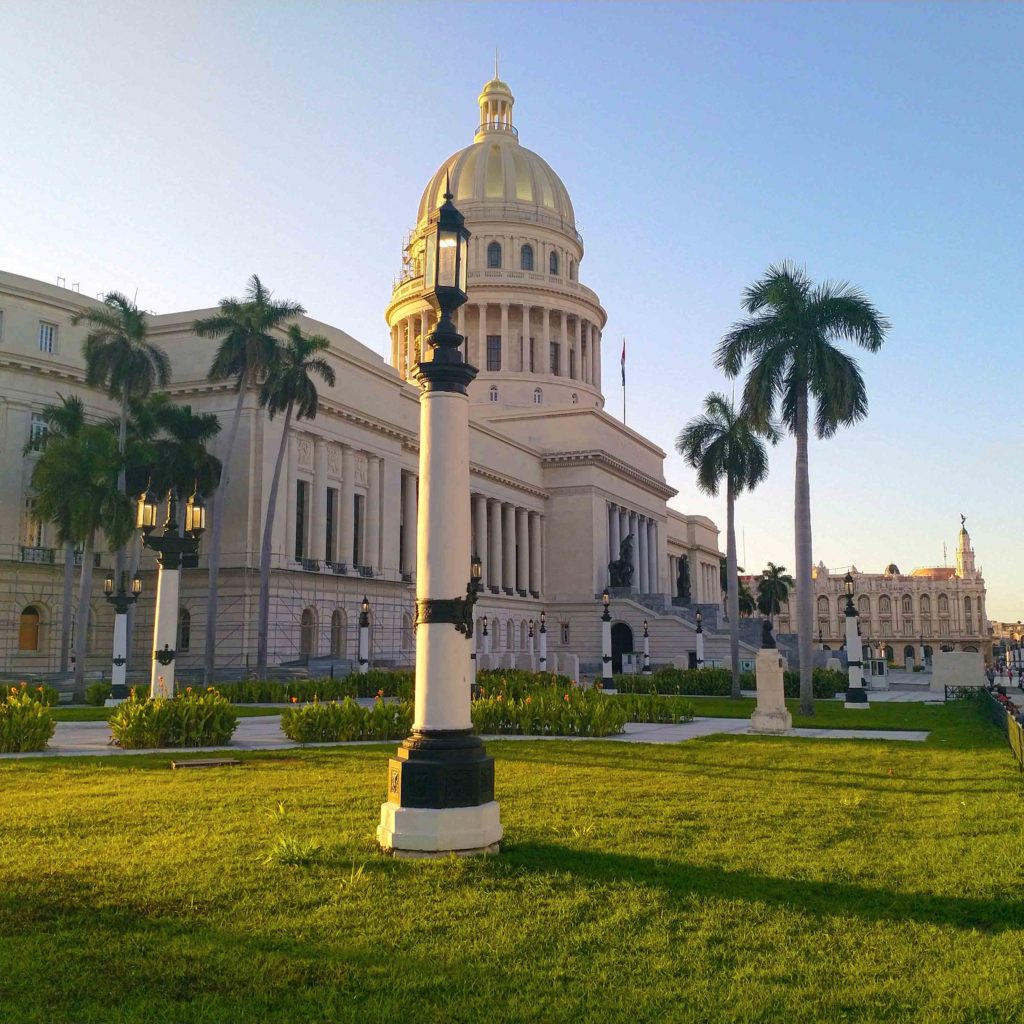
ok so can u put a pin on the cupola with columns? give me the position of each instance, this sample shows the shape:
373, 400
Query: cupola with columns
531, 328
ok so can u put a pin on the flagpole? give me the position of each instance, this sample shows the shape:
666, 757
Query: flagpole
623, 380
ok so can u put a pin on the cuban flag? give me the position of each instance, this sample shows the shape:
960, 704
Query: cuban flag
623, 362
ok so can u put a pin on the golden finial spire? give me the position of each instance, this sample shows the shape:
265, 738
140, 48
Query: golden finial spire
496, 64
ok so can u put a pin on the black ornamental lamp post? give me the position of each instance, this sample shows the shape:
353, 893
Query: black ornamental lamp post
126, 594
700, 639
173, 547
441, 781
606, 640
856, 691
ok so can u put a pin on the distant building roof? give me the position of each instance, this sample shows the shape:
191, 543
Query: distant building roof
937, 572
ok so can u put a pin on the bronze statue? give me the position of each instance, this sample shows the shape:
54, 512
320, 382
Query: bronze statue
621, 570
767, 640
683, 579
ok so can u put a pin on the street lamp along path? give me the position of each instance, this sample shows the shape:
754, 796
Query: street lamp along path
440, 784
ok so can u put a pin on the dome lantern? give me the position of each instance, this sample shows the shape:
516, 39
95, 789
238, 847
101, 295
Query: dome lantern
496, 102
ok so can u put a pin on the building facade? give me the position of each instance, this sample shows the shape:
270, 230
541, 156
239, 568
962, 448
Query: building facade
557, 483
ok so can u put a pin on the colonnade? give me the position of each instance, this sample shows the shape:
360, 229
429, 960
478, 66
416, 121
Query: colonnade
526, 333
508, 540
622, 523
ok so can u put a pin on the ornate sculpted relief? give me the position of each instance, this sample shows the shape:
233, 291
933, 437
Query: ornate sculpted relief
334, 460
305, 453
361, 472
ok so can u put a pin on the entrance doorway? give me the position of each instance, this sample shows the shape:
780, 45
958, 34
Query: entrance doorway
622, 643
908, 658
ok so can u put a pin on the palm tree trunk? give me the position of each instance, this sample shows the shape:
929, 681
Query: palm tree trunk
263, 628
82, 618
804, 597
733, 591
66, 610
217, 529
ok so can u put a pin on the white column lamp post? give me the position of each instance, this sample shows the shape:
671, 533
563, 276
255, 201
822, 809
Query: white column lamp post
542, 643
170, 546
440, 784
647, 651
606, 641
126, 595
856, 692
529, 638
700, 639
486, 638
364, 636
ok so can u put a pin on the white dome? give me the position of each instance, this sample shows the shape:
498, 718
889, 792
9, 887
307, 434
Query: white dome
496, 170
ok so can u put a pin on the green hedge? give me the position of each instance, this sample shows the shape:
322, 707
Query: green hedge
204, 719
26, 723
383, 682
346, 720
556, 711
652, 707
518, 683
97, 693
717, 682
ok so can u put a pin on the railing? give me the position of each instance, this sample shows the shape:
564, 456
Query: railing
95, 559
310, 565
497, 126
1004, 714
338, 568
39, 556
962, 692
365, 570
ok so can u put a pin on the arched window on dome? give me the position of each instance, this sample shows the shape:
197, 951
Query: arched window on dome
538, 396
494, 393
572, 269
553, 262
494, 255
526, 257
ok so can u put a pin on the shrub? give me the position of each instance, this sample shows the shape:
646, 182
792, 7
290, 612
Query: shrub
827, 683
97, 693
555, 711
717, 682
652, 707
25, 722
204, 719
339, 721
518, 683
390, 683
42, 693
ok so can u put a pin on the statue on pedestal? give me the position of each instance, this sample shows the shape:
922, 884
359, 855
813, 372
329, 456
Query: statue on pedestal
621, 570
767, 640
683, 579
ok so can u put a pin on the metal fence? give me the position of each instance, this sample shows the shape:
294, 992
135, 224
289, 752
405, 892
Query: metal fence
1003, 718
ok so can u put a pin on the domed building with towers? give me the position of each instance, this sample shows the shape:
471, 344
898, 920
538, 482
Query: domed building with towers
560, 488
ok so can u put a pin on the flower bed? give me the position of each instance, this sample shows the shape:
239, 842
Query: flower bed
556, 711
717, 682
391, 683
25, 721
204, 719
518, 683
338, 721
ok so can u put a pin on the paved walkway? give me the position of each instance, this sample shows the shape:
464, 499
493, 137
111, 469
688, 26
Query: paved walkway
74, 739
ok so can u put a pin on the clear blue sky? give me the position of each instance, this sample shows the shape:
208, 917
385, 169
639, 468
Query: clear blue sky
178, 148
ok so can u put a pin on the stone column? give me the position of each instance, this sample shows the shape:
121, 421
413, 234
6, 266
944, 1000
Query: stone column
652, 557
289, 490
165, 633
526, 337
522, 552
480, 531
535, 562
506, 348
481, 334
372, 556
495, 574
614, 533
508, 558
633, 529
578, 349
409, 522
596, 345
390, 515
544, 355
643, 578
318, 514
346, 508
563, 348
424, 331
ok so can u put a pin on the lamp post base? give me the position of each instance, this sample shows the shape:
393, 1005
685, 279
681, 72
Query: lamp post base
439, 831
857, 697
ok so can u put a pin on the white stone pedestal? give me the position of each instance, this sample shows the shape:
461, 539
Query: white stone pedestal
429, 832
771, 716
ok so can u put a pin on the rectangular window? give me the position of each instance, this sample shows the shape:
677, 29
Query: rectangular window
301, 488
556, 358
357, 528
33, 530
533, 368
572, 363
1, 324
565, 633
47, 337
493, 352
332, 504
37, 431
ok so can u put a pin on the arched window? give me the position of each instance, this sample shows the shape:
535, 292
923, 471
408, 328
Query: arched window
494, 393
494, 255
184, 629
28, 629
926, 606
307, 633
553, 262
339, 624
538, 396
884, 605
908, 605
967, 606
943, 604
574, 398
864, 610
823, 606
572, 269
526, 257
510, 635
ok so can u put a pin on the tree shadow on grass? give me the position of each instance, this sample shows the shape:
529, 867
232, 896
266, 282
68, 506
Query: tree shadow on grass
683, 881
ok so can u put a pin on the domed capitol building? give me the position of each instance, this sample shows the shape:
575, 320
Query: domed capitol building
557, 484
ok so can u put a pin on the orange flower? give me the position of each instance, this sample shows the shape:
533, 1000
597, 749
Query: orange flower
567, 696
529, 700
295, 700
188, 689
209, 689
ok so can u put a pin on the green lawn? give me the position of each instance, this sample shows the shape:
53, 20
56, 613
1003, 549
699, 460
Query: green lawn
88, 714
731, 879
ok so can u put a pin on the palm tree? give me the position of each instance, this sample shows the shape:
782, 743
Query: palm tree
746, 601
723, 444
75, 485
789, 339
247, 349
120, 359
773, 590
65, 420
288, 388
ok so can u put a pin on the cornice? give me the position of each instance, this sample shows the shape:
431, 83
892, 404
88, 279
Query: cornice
41, 368
601, 459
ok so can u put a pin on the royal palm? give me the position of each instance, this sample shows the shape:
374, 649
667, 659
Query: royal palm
773, 589
288, 388
788, 343
722, 444
247, 350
